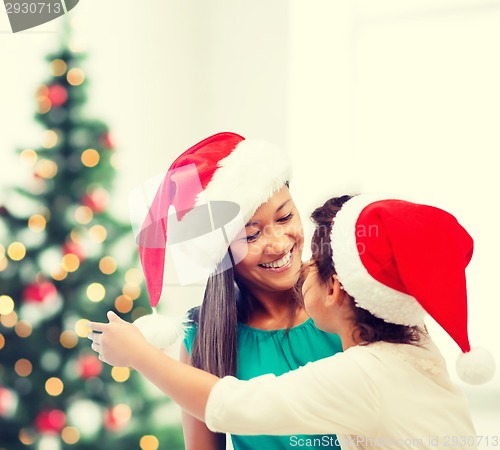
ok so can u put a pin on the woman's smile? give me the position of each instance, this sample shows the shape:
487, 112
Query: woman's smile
281, 264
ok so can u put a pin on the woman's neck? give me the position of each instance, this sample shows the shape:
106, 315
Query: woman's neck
270, 311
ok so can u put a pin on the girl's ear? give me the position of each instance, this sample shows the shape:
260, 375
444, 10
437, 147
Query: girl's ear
335, 292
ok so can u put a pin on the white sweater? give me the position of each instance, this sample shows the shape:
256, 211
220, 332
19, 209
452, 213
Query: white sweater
377, 396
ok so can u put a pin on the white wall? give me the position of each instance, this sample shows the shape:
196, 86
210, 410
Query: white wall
403, 98
163, 76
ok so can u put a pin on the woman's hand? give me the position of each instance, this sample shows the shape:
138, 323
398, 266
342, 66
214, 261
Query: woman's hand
117, 342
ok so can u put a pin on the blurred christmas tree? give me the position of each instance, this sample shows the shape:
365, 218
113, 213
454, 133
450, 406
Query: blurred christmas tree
64, 259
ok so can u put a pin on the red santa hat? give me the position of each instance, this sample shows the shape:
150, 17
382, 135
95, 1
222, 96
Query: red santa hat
224, 168
400, 260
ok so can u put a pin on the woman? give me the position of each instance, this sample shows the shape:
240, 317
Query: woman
377, 267
252, 320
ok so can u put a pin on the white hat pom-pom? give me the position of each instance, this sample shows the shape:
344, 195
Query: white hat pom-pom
161, 331
476, 366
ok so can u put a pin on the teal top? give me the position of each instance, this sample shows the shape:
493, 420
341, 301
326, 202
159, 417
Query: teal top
278, 352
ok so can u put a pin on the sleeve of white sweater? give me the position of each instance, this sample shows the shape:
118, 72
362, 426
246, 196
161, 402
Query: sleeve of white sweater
333, 395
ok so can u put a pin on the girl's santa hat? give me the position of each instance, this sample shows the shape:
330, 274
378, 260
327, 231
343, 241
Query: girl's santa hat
400, 260
215, 187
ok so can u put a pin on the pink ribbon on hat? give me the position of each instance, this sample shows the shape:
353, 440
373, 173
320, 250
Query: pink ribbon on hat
179, 189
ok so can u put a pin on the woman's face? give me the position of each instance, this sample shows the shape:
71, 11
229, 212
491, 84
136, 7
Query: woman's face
273, 239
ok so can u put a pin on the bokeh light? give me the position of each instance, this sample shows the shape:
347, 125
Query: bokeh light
96, 292
75, 76
54, 386
76, 235
43, 91
50, 360
149, 442
68, 339
81, 328
37, 223
45, 168
77, 45
44, 105
70, 435
58, 67
98, 233
3, 260
9, 320
124, 304
133, 276
6, 304
48, 441
90, 157
58, 273
120, 374
49, 139
2, 341
16, 251
70, 262
122, 412
29, 157
107, 265
27, 436
24, 329
118, 417
87, 416
23, 367
132, 291
83, 215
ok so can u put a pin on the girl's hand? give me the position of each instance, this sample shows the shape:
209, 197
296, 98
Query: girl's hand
117, 342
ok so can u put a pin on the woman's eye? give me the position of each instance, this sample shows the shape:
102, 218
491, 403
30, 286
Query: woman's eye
286, 218
253, 237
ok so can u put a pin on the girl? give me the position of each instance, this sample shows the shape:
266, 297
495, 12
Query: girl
252, 320
377, 267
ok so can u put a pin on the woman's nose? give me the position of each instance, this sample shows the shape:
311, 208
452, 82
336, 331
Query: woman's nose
277, 244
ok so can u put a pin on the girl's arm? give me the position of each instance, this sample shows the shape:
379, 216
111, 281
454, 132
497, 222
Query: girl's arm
333, 395
196, 433
120, 343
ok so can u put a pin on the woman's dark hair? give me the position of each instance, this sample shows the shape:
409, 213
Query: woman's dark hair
215, 345
226, 301
370, 328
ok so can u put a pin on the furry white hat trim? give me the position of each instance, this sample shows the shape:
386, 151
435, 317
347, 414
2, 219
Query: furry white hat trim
382, 301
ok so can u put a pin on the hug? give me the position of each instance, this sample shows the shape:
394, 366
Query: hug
281, 348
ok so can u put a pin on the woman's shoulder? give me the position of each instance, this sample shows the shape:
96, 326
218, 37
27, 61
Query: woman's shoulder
193, 315
191, 327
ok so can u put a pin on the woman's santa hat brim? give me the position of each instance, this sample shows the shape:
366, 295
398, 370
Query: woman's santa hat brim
221, 169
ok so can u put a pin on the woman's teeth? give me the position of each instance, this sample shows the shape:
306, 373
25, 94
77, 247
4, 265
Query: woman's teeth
278, 263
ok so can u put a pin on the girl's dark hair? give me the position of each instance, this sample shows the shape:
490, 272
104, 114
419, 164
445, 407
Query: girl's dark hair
370, 328
226, 301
